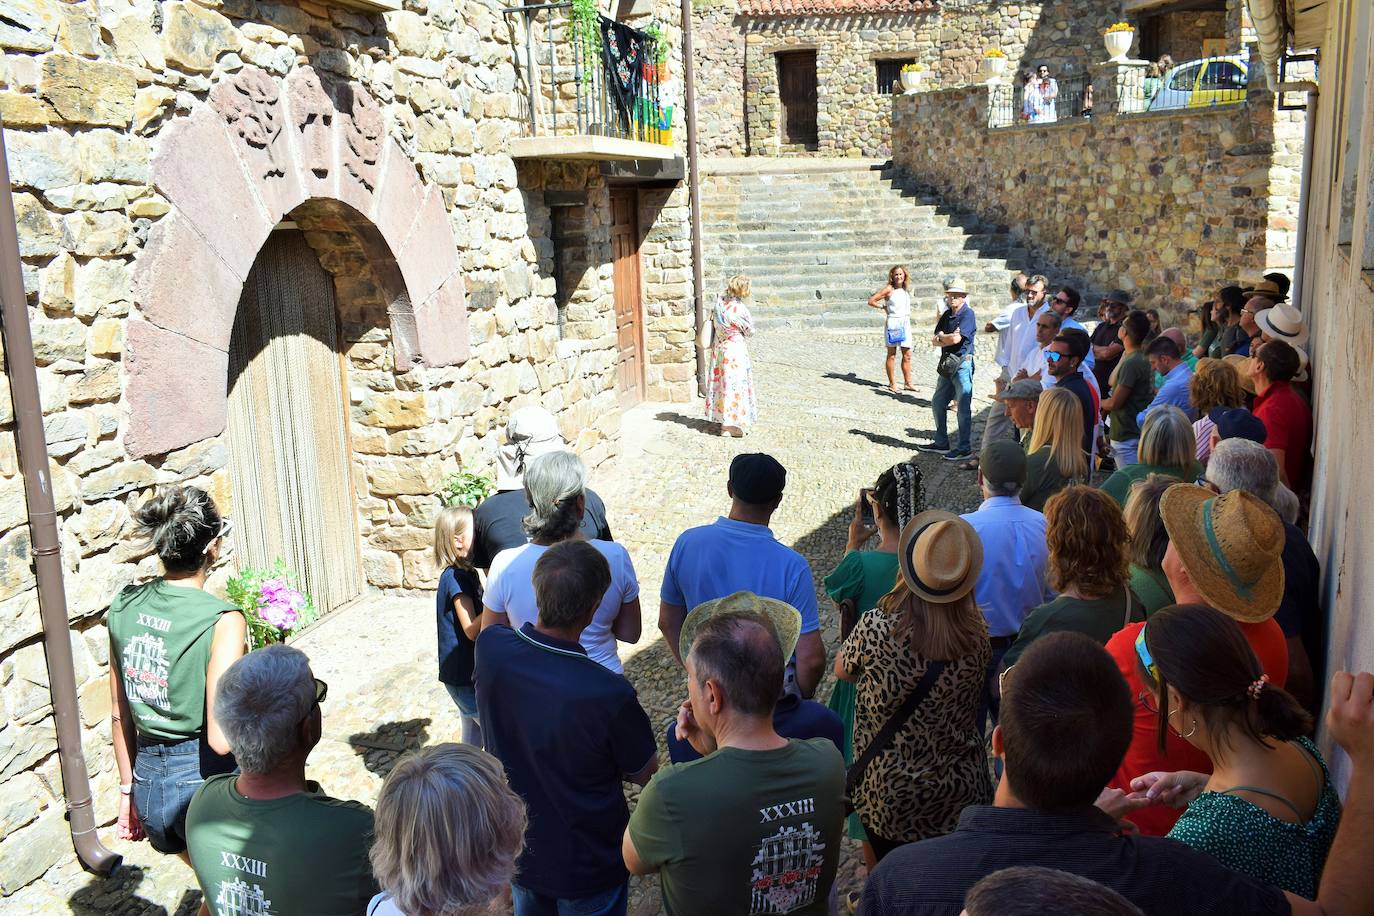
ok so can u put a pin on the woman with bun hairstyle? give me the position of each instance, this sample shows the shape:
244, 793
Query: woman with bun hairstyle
1268, 809
170, 640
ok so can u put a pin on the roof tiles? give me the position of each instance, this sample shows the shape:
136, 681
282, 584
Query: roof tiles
831, 7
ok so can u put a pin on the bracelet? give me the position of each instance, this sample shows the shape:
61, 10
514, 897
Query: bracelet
126, 789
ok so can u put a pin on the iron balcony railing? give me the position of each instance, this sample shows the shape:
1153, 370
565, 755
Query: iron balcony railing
610, 87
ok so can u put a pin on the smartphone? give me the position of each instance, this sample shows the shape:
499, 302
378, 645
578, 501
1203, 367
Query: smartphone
866, 509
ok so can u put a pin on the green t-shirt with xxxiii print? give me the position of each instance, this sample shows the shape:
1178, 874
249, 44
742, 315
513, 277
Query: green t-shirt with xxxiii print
161, 635
745, 831
304, 853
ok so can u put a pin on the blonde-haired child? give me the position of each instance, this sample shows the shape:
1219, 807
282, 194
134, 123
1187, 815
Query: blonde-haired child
458, 614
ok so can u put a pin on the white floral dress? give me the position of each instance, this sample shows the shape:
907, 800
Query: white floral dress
730, 384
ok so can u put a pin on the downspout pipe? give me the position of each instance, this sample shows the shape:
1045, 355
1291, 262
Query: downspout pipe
1304, 189
47, 556
689, 79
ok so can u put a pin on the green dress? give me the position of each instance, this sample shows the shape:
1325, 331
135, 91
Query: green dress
1151, 588
864, 576
1118, 486
1246, 838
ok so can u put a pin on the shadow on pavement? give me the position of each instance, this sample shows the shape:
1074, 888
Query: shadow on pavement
381, 747
117, 896
699, 424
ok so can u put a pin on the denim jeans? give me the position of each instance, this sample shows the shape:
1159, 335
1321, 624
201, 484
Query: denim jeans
607, 903
465, 698
946, 390
1125, 452
166, 775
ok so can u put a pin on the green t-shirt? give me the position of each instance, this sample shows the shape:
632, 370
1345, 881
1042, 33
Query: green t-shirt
161, 634
1118, 486
865, 576
1043, 479
745, 831
1098, 618
1152, 588
305, 853
1133, 371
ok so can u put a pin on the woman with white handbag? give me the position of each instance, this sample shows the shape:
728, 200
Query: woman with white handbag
895, 301
730, 384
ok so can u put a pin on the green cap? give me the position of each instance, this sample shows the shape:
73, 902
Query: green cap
1003, 461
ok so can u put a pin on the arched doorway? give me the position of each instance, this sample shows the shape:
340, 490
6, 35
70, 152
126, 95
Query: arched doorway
287, 424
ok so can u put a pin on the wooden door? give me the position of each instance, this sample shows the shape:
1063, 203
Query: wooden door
629, 325
797, 92
287, 436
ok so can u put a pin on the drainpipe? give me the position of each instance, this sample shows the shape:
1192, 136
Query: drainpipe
689, 79
47, 558
1304, 186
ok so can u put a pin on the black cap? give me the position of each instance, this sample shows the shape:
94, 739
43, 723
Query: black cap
1002, 462
1238, 423
757, 479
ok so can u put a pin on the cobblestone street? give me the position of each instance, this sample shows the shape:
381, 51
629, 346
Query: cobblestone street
825, 413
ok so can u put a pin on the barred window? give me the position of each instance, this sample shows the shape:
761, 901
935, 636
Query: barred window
889, 71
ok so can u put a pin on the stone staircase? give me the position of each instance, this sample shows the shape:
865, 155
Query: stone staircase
817, 239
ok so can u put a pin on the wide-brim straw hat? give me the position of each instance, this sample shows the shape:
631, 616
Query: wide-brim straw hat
1242, 366
785, 618
1232, 547
1283, 322
940, 556
1265, 289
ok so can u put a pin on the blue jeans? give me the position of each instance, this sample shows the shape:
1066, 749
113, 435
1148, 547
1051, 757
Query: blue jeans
166, 775
465, 698
1125, 452
607, 903
946, 390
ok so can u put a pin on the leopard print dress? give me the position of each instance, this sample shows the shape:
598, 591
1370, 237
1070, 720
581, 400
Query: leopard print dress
937, 765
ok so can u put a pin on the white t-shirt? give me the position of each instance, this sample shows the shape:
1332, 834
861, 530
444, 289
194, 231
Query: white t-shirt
383, 905
510, 591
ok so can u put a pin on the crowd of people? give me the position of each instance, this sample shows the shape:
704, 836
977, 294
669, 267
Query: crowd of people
1101, 693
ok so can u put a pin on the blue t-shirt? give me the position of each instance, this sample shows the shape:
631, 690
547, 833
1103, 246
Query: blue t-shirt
966, 323
567, 732
455, 649
713, 561
793, 717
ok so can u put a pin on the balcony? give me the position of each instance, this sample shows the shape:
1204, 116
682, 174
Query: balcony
592, 92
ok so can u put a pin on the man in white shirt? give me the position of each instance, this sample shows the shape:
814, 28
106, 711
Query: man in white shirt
998, 426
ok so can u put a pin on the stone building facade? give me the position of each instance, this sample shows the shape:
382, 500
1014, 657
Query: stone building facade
737, 44
1170, 204
173, 163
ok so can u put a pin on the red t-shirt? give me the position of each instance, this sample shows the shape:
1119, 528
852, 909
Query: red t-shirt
1288, 425
1143, 755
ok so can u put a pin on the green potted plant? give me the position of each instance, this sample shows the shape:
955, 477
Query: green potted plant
466, 488
586, 26
660, 48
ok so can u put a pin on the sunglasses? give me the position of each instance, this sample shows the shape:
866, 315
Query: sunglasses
1002, 680
1061, 300
321, 691
1054, 356
225, 526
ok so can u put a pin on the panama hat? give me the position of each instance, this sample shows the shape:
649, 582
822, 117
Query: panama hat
785, 618
956, 285
1232, 547
940, 556
1283, 322
1265, 289
1242, 365
531, 431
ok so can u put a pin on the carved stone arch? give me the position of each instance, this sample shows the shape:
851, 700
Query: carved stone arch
233, 169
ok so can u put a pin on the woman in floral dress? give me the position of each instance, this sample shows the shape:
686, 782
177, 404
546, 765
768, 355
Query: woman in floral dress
730, 388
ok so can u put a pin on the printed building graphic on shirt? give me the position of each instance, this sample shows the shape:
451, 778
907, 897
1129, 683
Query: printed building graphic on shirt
239, 898
146, 669
787, 870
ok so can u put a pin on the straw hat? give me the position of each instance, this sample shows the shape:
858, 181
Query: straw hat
955, 285
1265, 289
1283, 322
785, 618
531, 431
1232, 547
1242, 365
940, 556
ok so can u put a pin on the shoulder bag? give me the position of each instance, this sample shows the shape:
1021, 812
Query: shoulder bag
889, 731
948, 366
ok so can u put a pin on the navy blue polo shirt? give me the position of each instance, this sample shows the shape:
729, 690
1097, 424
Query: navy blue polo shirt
567, 731
965, 323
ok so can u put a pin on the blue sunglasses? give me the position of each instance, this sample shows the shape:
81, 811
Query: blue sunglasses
1053, 356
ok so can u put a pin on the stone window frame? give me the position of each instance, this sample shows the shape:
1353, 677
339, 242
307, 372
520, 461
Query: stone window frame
880, 57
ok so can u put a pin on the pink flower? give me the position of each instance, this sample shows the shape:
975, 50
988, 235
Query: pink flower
279, 604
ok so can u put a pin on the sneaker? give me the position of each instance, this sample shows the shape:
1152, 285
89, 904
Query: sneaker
930, 448
956, 454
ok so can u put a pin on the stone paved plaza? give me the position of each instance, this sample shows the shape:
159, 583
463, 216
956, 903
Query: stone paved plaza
825, 412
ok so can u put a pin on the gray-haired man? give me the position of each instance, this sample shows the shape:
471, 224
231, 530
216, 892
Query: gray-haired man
267, 837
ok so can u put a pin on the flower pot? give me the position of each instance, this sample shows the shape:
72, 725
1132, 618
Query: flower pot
911, 80
994, 67
1118, 44
663, 72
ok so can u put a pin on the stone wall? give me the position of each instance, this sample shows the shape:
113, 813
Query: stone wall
1166, 204
737, 73
151, 147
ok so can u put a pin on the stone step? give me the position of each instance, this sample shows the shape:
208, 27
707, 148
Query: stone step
861, 239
